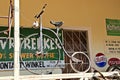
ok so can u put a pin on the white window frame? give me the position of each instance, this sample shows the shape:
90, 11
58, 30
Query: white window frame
88, 29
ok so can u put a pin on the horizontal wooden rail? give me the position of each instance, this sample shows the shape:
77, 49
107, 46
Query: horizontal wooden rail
81, 75
3, 16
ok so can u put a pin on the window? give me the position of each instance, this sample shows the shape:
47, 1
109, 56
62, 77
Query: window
75, 40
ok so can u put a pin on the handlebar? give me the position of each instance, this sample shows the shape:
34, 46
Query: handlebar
43, 9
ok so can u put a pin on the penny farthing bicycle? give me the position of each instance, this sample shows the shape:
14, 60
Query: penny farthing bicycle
41, 53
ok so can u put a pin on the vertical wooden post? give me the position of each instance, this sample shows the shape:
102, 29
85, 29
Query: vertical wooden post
17, 40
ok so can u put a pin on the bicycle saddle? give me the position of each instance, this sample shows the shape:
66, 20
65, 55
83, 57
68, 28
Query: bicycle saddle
56, 24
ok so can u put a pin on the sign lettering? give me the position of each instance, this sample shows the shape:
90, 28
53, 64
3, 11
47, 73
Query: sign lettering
29, 44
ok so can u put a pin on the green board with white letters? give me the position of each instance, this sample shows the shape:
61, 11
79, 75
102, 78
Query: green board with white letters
29, 44
113, 27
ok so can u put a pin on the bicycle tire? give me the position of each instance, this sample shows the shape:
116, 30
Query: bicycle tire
113, 68
83, 66
41, 70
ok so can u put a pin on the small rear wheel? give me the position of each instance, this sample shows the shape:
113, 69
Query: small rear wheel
80, 62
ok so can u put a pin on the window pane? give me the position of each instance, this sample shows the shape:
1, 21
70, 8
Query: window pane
75, 40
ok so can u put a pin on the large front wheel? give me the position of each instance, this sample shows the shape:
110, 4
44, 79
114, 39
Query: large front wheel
36, 62
80, 62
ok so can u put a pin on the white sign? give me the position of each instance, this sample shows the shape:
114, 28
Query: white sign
9, 65
112, 46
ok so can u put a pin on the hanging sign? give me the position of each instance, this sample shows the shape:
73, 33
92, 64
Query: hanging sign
29, 45
113, 27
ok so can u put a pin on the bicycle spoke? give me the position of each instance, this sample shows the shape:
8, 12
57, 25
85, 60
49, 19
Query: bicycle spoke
82, 64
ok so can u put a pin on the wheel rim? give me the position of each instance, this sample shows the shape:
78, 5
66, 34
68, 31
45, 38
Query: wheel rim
74, 68
41, 70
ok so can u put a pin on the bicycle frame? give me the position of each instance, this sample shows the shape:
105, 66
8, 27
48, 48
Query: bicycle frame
56, 34
72, 58
40, 23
